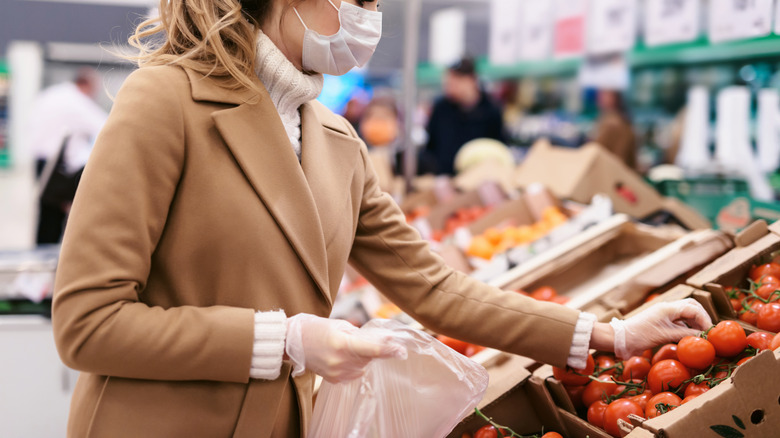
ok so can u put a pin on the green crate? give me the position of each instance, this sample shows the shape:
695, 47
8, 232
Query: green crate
708, 195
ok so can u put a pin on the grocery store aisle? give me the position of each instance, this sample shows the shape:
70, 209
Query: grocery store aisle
17, 208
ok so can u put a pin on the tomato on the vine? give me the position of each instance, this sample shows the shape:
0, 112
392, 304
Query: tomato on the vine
775, 342
488, 432
750, 312
666, 398
696, 389
596, 413
635, 367
575, 394
695, 352
728, 338
544, 293
668, 351
598, 390
619, 410
688, 398
760, 340
642, 398
552, 435
767, 289
758, 272
455, 344
744, 359
573, 377
667, 374
769, 317
604, 361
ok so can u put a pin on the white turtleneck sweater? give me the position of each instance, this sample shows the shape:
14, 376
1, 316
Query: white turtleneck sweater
290, 88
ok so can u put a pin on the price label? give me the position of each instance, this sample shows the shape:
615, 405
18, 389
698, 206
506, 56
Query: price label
671, 21
739, 19
569, 28
535, 29
504, 31
611, 26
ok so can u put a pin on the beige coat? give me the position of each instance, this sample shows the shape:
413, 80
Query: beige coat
192, 214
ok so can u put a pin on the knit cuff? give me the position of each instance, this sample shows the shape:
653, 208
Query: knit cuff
268, 348
580, 344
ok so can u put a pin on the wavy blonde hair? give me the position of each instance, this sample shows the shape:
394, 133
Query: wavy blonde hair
213, 37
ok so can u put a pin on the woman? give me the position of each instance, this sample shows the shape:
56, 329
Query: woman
613, 129
214, 222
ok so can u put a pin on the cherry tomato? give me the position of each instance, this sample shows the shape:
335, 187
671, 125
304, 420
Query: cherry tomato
642, 398
544, 293
572, 377
604, 361
775, 342
696, 389
598, 389
453, 343
767, 289
695, 352
667, 374
668, 351
552, 435
728, 338
769, 317
596, 414
759, 271
760, 340
619, 409
666, 398
575, 395
750, 314
488, 432
635, 367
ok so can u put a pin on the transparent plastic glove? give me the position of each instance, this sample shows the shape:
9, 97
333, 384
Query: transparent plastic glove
334, 349
659, 324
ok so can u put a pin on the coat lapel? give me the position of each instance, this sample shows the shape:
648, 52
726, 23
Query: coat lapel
256, 137
329, 156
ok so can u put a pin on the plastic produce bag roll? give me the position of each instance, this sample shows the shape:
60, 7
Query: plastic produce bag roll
424, 395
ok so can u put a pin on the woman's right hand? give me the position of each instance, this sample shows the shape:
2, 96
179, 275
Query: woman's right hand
334, 348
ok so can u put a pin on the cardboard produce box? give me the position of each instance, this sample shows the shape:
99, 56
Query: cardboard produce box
515, 399
746, 405
753, 245
579, 174
615, 264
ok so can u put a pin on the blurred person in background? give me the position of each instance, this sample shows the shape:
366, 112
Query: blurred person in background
214, 223
380, 128
613, 128
464, 113
63, 124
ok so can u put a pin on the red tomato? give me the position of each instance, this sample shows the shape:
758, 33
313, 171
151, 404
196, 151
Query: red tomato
619, 409
666, 398
695, 352
760, 340
544, 293
767, 289
572, 377
667, 374
642, 398
635, 390
473, 349
744, 359
688, 398
648, 354
651, 297
598, 390
635, 367
560, 299
668, 351
575, 395
728, 338
453, 343
750, 314
696, 389
552, 435
775, 342
769, 317
736, 303
596, 414
761, 271
604, 361
488, 432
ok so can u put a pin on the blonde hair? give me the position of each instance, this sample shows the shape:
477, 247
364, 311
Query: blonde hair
212, 37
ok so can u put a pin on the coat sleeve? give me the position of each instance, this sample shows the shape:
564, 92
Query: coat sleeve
393, 257
100, 323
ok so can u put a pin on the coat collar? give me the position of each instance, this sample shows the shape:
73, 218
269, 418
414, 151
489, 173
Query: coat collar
307, 199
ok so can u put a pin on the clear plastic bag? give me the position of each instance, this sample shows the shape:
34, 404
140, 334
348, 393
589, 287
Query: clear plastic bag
425, 395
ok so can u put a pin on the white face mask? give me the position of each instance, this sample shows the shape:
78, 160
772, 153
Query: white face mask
350, 47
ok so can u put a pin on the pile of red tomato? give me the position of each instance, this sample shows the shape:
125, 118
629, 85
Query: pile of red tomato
759, 304
546, 293
461, 347
493, 432
658, 381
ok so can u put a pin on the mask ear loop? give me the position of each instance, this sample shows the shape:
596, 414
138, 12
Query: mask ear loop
334, 6
301, 19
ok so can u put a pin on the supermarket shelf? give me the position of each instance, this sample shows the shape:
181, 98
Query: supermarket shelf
696, 52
